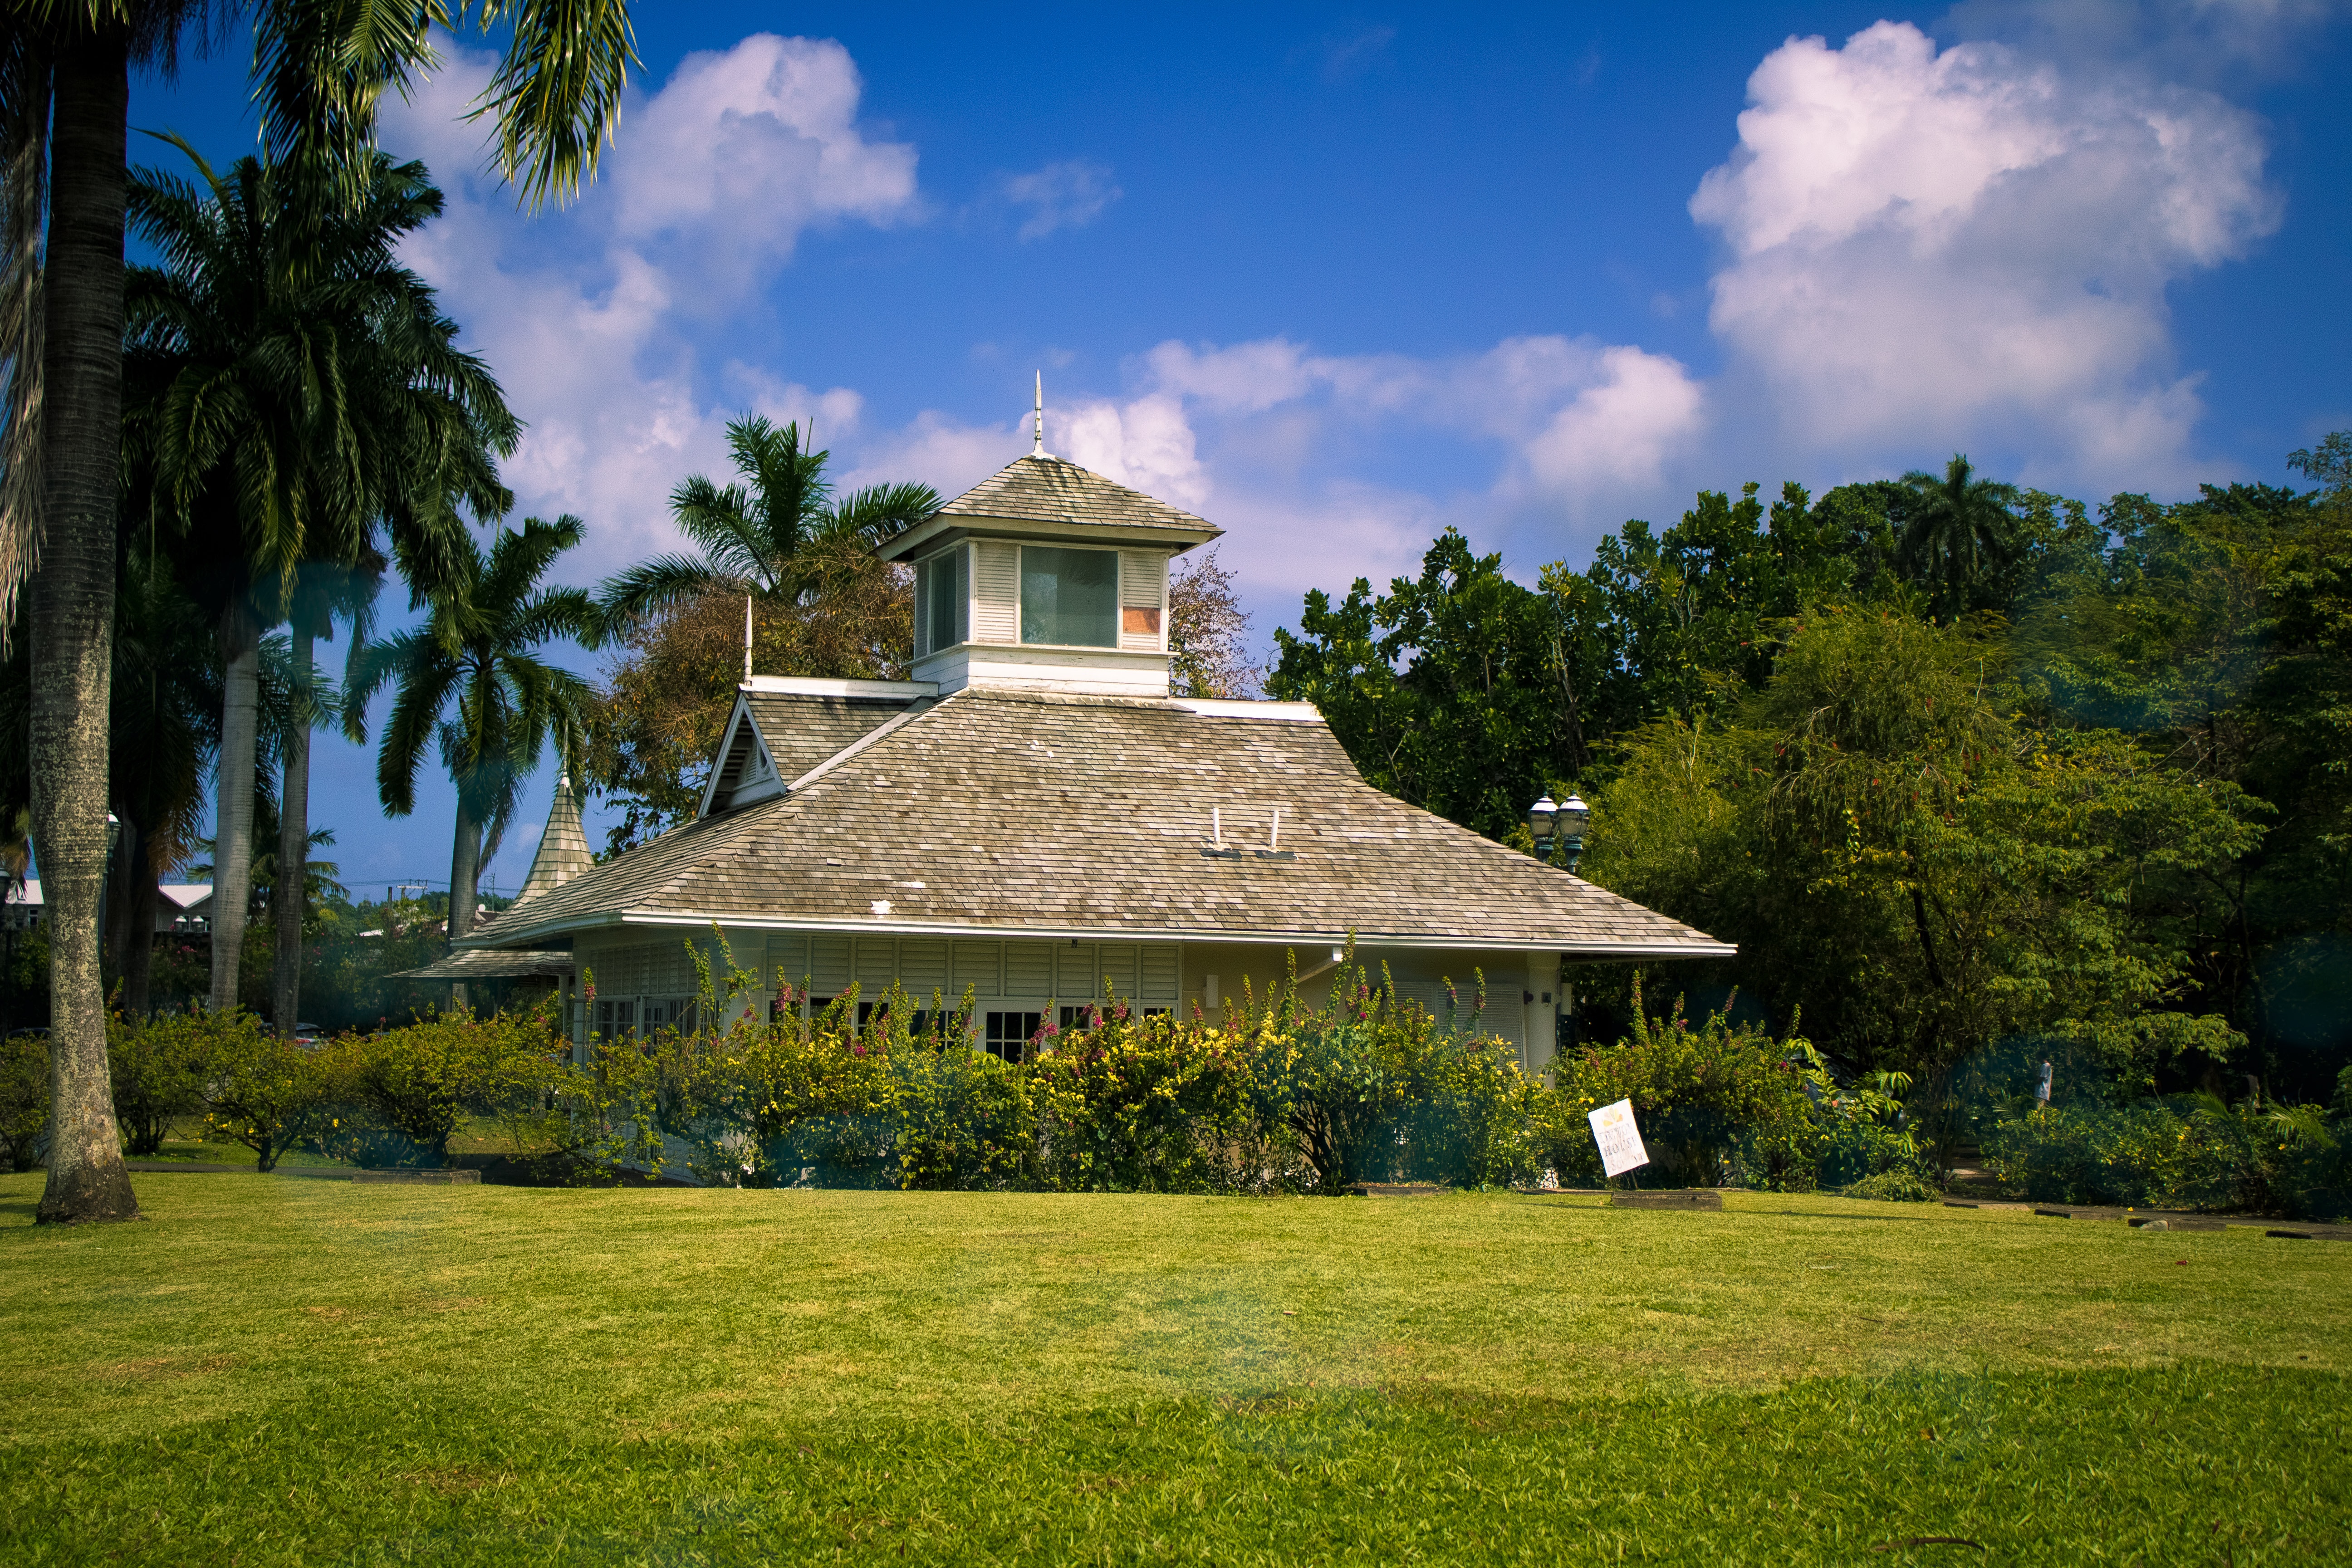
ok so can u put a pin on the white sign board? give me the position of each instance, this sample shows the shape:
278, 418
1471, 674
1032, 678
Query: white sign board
1620, 1139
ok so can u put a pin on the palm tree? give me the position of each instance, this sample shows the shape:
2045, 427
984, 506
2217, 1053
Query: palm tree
756, 535
290, 385
469, 684
65, 92
166, 729
1962, 530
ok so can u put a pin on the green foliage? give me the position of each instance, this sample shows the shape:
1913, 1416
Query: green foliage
1715, 1102
1271, 1096
2195, 1151
400, 1093
1952, 761
1919, 871
1442, 689
23, 1098
259, 1090
1898, 1185
158, 1066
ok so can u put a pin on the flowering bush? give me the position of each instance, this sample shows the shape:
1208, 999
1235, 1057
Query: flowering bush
1269, 1096
266, 1093
1714, 1104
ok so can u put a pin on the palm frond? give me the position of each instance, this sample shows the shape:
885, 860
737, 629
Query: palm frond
556, 94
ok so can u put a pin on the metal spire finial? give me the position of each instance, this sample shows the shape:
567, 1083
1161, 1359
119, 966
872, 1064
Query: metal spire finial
1038, 448
747, 639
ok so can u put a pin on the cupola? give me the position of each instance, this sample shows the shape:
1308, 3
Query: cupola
1046, 576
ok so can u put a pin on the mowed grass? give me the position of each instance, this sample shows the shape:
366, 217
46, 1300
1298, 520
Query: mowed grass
274, 1370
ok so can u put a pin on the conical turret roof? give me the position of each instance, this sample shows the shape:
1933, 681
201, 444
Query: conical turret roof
563, 848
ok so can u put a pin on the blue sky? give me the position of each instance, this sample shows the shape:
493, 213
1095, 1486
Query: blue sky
1338, 277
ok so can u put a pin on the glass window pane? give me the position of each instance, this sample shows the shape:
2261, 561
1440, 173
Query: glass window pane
1069, 597
943, 600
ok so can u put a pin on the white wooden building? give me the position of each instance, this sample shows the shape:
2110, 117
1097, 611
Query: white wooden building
1033, 819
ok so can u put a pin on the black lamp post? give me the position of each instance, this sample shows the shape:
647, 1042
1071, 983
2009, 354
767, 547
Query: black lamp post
1565, 821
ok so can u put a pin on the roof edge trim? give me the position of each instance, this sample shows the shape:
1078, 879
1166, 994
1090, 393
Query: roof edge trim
667, 919
1246, 708
816, 686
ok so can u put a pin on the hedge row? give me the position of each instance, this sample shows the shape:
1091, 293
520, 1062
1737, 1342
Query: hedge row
1269, 1095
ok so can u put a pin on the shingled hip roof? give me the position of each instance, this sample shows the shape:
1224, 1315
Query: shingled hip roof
1051, 493
1014, 813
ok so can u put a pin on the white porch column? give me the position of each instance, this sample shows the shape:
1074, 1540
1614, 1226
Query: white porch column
1541, 1012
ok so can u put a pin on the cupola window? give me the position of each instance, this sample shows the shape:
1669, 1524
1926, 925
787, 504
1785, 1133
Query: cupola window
941, 599
1069, 597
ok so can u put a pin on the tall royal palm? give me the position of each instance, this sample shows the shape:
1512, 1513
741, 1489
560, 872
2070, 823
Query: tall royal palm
756, 535
290, 387
470, 684
64, 93
1962, 532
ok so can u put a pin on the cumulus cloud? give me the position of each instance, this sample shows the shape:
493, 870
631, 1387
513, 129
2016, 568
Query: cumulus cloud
589, 315
1068, 194
1944, 247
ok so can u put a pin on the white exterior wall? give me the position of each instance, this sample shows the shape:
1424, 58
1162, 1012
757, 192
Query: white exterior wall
1092, 672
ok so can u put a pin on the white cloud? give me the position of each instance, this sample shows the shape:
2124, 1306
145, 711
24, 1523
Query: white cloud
587, 315
1146, 445
1068, 194
1930, 249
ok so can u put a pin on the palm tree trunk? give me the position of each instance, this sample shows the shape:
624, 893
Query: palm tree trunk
129, 855
71, 619
233, 818
139, 958
465, 874
286, 905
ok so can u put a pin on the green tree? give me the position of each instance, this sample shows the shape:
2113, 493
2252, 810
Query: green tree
1920, 872
756, 535
319, 71
469, 683
1444, 689
1960, 534
781, 538
292, 389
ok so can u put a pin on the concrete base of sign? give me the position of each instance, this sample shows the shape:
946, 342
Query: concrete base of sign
1393, 1190
1696, 1198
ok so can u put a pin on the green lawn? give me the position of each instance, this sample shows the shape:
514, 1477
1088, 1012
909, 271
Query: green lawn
283, 1371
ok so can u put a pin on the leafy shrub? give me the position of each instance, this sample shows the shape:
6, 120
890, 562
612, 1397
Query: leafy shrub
24, 1100
1720, 1101
156, 1064
1273, 1096
1899, 1184
400, 1094
257, 1089
2192, 1153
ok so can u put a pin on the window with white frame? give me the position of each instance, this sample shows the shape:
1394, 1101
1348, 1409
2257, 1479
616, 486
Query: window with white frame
1069, 598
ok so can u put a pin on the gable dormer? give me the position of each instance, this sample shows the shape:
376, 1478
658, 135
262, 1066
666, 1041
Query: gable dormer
786, 726
1046, 576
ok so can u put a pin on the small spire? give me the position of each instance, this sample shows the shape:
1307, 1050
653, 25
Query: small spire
1038, 448
747, 639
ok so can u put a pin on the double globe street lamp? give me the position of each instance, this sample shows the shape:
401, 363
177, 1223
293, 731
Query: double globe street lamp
1564, 821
